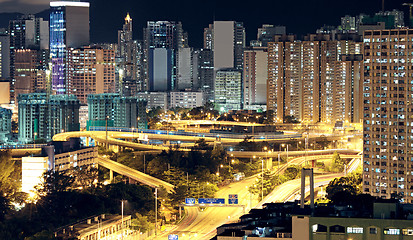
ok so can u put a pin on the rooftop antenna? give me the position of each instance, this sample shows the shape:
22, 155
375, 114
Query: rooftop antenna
382, 5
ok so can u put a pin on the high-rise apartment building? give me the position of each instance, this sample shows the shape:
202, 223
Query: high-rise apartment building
312, 80
228, 89
348, 89
5, 124
30, 72
255, 73
91, 70
25, 64
284, 78
122, 111
388, 128
41, 117
69, 28
267, 32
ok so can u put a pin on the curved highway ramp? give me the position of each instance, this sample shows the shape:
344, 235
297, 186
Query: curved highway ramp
134, 174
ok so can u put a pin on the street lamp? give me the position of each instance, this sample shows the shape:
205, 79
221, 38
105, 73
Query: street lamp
279, 167
122, 227
107, 118
262, 179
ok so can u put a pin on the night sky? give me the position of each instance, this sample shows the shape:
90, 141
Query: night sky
300, 16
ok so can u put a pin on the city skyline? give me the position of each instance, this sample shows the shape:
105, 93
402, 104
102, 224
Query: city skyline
296, 19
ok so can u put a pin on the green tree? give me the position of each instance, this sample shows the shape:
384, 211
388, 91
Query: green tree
322, 142
292, 172
344, 186
55, 182
174, 176
337, 163
267, 185
43, 235
86, 178
201, 144
290, 119
141, 223
178, 195
9, 183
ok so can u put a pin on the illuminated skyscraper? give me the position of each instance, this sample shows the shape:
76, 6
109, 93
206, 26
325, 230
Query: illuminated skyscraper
388, 125
162, 39
69, 28
227, 42
91, 70
255, 78
129, 61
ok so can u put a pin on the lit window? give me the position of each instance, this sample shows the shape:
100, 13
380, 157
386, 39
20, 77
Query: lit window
354, 230
391, 231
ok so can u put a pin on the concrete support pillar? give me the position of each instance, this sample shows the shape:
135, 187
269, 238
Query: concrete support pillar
312, 189
110, 176
307, 172
302, 188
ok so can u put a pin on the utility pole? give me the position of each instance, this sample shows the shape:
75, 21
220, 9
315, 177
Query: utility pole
156, 210
122, 219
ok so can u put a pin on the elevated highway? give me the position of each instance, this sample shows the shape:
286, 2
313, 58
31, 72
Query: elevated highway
133, 174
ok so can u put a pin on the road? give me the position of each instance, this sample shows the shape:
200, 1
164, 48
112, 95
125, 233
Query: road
205, 223
133, 174
114, 139
249, 154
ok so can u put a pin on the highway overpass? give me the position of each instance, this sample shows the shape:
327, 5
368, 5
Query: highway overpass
133, 174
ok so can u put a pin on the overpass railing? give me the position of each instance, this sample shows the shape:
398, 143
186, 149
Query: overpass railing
21, 146
193, 134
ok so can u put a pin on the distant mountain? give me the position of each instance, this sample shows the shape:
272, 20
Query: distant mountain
6, 17
45, 14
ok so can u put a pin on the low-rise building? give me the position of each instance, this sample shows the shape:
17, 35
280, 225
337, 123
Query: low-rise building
154, 99
58, 156
186, 99
102, 227
277, 221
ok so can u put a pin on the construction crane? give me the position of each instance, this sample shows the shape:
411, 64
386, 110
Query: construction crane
410, 10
